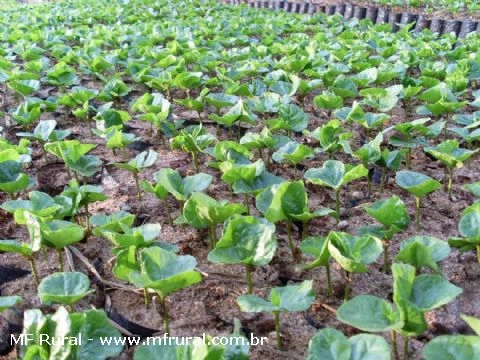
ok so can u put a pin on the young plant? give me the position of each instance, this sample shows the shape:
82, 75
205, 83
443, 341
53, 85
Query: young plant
335, 174
407, 136
353, 253
201, 211
41, 205
137, 164
317, 246
259, 142
389, 160
62, 75
181, 188
155, 110
66, 288
294, 153
26, 113
291, 118
328, 101
369, 154
93, 325
288, 202
113, 89
82, 196
45, 132
332, 137
246, 240
423, 251
193, 140
413, 296
116, 139
219, 101
393, 215
451, 156
419, 185
113, 222
228, 151
331, 344
73, 154
291, 298
469, 228
165, 272
248, 179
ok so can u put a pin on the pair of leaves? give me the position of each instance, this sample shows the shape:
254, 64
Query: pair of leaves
335, 174
412, 295
246, 240
423, 251
164, 271
289, 298
287, 201
138, 163
391, 213
202, 211
331, 344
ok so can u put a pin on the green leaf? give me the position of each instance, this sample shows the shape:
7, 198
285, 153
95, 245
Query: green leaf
60, 233
102, 222
284, 201
201, 210
65, 288
289, 298
220, 100
292, 152
316, 246
165, 272
469, 225
134, 236
370, 152
329, 344
370, 313
416, 183
246, 240
474, 323
42, 131
423, 251
253, 303
16, 247
334, 174
354, 253
328, 101
449, 153
6, 302
474, 188
432, 291
180, 188
457, 347
369, 347
12, 177
293, 297
391, 213
86, 165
